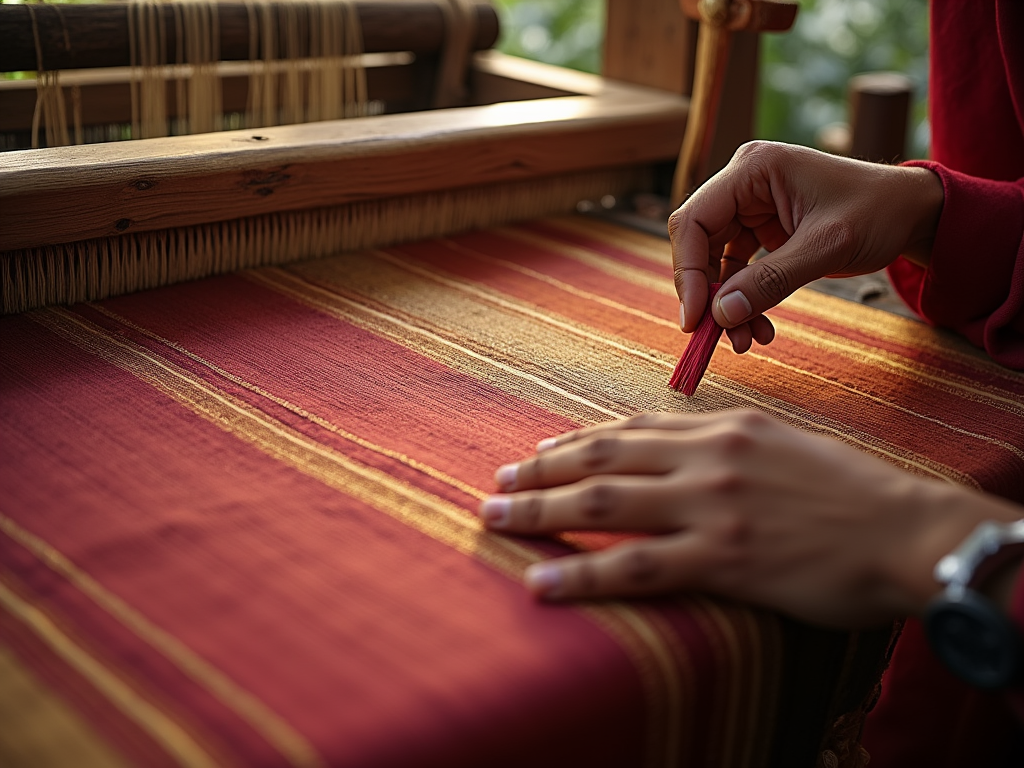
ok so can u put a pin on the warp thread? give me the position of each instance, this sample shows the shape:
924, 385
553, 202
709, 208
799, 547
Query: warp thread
690, 369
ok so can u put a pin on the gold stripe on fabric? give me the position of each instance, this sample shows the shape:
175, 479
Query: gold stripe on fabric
599, 261
313, 418
544, 315
530, 387
817, 339
882, 324
40, 730
445, 522
890, 327
680, 652
555, 282
922, 373
641, 387
993, 441
598, 616
175, 741
275, 730
656, 250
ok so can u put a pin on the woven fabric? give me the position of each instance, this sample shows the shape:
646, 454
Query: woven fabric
238, 520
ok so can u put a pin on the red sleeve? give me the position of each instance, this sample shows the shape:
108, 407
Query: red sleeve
974, 283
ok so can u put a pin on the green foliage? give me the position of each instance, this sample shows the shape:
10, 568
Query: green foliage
563, 32
804, 72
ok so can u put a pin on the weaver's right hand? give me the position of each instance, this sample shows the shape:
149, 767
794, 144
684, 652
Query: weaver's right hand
819, 215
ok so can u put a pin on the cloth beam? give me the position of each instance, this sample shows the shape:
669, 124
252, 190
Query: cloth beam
238, 522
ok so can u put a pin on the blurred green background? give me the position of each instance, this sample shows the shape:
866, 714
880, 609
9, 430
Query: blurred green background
804, 71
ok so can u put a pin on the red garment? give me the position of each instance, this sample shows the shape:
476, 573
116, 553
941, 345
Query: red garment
975, 281
974, 284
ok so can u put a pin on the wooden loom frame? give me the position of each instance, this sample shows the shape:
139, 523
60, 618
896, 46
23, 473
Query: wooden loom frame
535, 124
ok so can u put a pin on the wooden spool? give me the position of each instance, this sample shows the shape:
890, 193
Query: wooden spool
879, 108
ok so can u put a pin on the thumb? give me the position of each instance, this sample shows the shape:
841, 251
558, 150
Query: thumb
808, 255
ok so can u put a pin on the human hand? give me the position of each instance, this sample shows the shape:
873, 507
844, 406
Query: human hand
819, 215
743, 506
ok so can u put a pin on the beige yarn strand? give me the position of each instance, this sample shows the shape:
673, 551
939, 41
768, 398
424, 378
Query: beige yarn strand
50, 109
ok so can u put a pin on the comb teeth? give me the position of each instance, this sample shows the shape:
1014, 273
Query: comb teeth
697, 355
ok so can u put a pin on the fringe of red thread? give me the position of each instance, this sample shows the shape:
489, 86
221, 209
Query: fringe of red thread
697, 355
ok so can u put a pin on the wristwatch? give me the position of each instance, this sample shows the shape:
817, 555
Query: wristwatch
972, 636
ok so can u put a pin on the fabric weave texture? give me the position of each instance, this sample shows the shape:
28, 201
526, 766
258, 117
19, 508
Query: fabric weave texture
238, 522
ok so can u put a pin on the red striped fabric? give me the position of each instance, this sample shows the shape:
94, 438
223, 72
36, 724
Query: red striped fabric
238, 521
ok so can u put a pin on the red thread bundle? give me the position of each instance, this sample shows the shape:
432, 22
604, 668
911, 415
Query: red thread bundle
697, 355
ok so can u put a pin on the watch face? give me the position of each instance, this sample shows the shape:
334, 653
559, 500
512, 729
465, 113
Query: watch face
974, 639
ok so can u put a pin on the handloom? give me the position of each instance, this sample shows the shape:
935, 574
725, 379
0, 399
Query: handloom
238, 522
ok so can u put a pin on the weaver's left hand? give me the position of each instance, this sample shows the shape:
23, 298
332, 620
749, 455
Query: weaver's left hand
746, 507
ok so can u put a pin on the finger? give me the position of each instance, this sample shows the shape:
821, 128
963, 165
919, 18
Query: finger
665, 421
741, 338
771, 234
604, 503
638, 567
703, 218
762, 330
606, 452
730, 267
762, 285
739, 251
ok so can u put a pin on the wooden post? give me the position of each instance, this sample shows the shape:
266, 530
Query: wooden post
879, 106
649, 42
654, 43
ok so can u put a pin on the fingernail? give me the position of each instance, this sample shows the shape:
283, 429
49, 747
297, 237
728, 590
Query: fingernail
735, 307
544, 579
547, 443
505, 477
495, 511
682, 316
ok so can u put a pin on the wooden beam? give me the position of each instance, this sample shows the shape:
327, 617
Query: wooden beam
738, 106
96, 36
75, 193
651, 43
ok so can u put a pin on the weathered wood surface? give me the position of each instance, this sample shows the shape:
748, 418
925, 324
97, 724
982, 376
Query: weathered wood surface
74, 193
96, 36
649, 42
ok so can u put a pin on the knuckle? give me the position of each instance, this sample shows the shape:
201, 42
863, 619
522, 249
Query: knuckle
528, 473
585, 577
733, 532
530, 514
599, 452
640, 566
724, 481
755, 151
641, 420
675, 222
749, 421
598, 501
772, 281
679, 274
735, 442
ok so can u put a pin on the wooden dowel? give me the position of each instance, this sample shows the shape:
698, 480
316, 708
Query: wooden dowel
96, 36
879, 110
